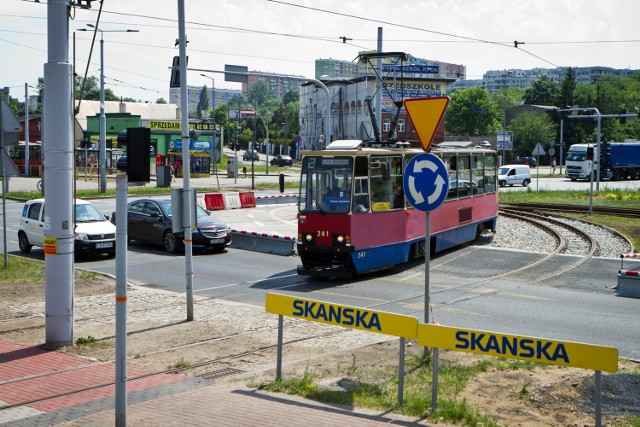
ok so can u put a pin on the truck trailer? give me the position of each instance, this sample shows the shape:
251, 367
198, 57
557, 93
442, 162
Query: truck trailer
618, 161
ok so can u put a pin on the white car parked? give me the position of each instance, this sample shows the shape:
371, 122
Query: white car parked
514, 174
94, 233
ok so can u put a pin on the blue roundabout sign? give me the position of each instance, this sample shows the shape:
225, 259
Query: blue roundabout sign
426, 182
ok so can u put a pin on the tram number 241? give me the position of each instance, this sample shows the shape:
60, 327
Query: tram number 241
362, 254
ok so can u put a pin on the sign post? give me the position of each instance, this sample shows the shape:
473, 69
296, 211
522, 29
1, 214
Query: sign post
426, 184
538, 151
427, 175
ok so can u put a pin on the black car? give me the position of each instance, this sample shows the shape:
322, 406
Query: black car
281, 160
250, 155
149, 221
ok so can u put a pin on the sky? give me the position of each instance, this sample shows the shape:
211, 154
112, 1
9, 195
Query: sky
287, 36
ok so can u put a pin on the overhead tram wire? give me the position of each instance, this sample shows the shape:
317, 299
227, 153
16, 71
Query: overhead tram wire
465, 39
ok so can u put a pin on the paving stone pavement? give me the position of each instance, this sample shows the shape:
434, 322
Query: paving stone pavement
29, 376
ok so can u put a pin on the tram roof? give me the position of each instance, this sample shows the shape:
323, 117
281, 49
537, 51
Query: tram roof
350, 147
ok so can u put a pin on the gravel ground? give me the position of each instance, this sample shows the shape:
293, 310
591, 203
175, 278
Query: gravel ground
515, 234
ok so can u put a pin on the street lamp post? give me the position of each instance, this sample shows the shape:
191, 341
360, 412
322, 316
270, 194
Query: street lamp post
103, 119
504, 123
213, 126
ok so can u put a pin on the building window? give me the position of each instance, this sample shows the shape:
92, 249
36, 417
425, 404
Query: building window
401, 125
386, 125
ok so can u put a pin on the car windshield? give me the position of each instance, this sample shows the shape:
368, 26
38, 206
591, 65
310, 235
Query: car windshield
88, 213
167, 210
503, 170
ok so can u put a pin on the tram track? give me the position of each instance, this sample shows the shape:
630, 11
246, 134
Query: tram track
557, 207
570, 239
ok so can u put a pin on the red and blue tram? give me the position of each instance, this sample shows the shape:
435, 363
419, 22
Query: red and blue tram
353, 217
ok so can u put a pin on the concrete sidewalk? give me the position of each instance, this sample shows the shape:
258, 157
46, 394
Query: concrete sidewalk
40, 387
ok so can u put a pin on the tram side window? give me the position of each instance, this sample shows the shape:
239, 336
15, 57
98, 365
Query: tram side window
490, 173
386, 179
477, 172
465, 185
451, 165
361, 185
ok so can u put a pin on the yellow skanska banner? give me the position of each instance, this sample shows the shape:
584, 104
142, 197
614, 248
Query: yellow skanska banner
342, 315
541, 350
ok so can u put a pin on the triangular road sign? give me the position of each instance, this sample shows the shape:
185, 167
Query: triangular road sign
7, 167
426, 114
538, 151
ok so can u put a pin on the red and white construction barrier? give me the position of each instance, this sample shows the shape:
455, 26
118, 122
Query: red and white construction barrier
280, 196
629, 272
631, 255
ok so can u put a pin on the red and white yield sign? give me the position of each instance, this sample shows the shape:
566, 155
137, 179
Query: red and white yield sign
426, 114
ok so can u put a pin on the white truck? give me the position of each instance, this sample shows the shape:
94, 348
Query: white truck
618, 160
577, 166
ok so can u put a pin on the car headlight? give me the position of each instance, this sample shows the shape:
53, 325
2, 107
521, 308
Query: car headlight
81, 236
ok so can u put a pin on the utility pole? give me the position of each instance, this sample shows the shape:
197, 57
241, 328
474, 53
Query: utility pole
186, 162
379, 83
27, 168
102, 158
58, 173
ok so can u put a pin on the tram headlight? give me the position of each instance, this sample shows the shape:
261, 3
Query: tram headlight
343, 239
308, 237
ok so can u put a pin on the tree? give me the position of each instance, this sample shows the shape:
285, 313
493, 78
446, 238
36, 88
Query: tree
507, 98
161, 101
471, 111
543, 91
203, 102
572, 132
530, 129
290, 96
259, 93
566, 96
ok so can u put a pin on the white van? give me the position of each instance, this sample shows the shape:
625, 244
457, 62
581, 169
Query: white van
94, 234
514, 174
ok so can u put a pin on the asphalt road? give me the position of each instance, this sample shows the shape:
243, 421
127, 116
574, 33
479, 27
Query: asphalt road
578, 306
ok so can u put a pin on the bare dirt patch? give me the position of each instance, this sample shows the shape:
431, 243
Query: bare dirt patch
241, 339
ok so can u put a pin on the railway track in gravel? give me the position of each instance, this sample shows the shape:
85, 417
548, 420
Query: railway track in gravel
570, 239
557, 207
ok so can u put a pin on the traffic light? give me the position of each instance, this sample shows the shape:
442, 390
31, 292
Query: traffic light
174, 81
138, 143
589, 153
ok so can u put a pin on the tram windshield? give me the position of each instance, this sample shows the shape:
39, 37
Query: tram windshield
326, 184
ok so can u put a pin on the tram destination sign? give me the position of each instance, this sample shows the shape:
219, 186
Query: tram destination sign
342, 315
541, 350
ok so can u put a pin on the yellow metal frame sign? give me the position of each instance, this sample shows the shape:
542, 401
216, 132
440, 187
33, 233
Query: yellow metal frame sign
541, 350
342, 315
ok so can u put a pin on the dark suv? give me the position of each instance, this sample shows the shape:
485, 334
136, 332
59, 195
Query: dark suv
530, 161
281, 160
250, 155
